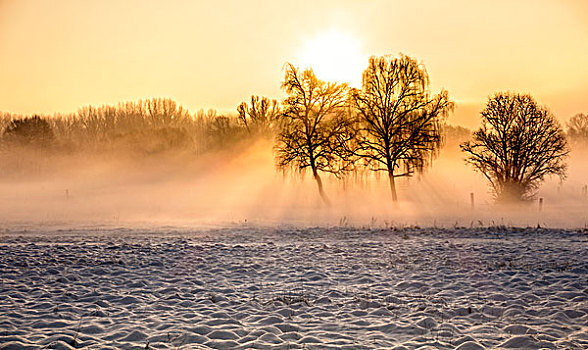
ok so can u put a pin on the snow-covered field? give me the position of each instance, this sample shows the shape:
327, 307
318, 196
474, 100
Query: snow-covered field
290, 288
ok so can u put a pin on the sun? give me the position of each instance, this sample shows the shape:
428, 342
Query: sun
335, 56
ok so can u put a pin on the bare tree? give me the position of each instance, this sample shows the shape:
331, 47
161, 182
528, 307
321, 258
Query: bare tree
455, 135
315, 126
96, 123
131, 116
400, 123
5, 120
261, 116
518, 144
164, 112
31, 131
578, 127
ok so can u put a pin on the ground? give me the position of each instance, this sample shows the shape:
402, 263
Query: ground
293, 288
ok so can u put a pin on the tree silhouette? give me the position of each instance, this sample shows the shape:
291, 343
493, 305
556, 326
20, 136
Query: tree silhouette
518, 144
455, 135
97, 123
31, 131
223, 132
314, 126
261, 116
578, 127
164, 112
400, 123
5, 120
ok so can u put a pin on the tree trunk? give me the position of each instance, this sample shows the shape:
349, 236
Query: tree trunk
319, 182
392, 187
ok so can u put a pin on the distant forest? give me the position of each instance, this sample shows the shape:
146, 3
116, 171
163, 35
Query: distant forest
393, 124
146, 127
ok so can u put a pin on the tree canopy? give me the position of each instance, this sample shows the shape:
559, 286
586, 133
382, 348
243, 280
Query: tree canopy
261, 116
31, 131
315, 126
400, 121
518, 144
578, 127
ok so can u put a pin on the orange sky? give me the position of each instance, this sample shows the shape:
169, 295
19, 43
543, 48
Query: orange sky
58, 55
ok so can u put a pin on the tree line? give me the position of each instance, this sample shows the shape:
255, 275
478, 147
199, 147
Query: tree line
148, 126
392, 124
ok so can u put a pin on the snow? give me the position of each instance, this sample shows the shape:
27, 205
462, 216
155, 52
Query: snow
291, 288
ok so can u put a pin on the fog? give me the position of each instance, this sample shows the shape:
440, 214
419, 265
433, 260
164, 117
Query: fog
240, 185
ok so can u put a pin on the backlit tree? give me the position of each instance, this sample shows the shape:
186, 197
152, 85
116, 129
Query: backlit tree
260, 116
315, 126
578, 127
400, 121
517, 146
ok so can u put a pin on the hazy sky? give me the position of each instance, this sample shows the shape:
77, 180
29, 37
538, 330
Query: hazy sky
58, 55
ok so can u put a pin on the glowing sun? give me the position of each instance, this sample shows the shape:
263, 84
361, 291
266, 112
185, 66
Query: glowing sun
335, 56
